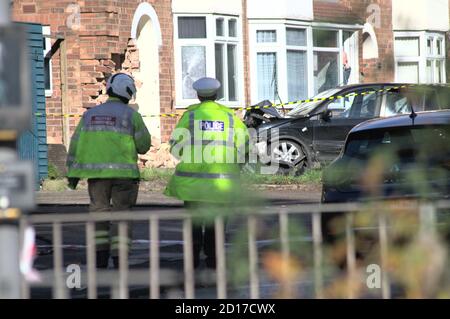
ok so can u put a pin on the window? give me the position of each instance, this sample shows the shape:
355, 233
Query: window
266, 36
193, 68
420, 57
293, 61
267, 70
208, 45
396, 104
357, 107
192, 27
219, 27
297, 71
326, 60
47, 45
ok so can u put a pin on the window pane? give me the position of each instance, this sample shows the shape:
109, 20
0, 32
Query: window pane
326, 71
325, 38
219, 68
438, 72
47, 74
191, 27
296, 37
297, 75
408, 72
232, 29
407, 47
193, 67
267, 69
264, 36
219, 27
232, 79
429, 71
397, 103
439, 47
429, 46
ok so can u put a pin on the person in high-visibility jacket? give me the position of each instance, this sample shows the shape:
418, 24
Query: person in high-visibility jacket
104, 150
211, 143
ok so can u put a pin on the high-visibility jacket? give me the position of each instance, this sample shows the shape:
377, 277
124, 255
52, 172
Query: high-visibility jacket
210, 154
107, 141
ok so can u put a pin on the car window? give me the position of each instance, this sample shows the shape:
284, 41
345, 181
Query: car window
444, 97
397, 103
431, 100
357, 107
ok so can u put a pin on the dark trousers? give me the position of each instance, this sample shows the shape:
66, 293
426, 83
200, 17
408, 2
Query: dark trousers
110, 195
203, 234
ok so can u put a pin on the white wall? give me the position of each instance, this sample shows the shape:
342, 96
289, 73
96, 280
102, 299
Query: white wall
233, 7
147, 97
412, 15
280, 9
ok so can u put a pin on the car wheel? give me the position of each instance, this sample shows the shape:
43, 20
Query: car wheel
291, 157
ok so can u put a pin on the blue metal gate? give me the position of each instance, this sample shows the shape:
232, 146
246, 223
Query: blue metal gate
33, 144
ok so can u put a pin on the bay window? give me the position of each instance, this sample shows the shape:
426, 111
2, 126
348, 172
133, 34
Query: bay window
208, 45
419, 57
292, 62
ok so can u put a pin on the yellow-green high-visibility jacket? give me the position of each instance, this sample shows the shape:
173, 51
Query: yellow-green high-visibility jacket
211, 143
107, 141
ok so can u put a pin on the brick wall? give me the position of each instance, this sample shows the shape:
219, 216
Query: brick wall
383, 68
96, 48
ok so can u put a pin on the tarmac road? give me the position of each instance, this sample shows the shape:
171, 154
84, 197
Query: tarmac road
171, 244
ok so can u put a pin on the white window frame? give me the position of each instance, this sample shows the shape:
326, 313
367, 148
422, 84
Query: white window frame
424, 56
280, 47
209, 43
46, 32
338, 50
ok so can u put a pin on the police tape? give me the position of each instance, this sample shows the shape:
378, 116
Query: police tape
250, 108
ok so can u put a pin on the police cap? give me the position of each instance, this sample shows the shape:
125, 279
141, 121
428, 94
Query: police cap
206, 87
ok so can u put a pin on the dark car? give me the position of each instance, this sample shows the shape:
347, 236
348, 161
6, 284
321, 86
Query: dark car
404, 156
316, 131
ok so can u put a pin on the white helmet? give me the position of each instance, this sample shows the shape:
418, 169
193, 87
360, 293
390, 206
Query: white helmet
121, 84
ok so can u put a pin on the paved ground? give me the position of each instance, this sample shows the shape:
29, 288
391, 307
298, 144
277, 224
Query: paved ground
171, 244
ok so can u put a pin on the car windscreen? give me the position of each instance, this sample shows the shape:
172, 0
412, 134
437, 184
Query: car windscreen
306, 108
425, 145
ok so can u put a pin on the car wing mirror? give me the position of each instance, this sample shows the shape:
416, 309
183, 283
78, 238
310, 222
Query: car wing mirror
327, 115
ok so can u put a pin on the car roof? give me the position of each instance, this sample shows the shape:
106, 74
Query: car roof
423, 118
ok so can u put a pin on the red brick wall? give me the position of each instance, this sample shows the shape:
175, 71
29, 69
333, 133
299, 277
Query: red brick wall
383, 68
104, 31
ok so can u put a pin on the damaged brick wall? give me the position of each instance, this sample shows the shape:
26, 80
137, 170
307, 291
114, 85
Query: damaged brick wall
97, 36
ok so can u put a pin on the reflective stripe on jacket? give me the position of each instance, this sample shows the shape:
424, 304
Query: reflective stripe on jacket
107, 141
209, 168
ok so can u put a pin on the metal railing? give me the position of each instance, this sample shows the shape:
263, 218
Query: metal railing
155, 277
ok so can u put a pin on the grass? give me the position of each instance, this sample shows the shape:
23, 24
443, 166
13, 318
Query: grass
309, 177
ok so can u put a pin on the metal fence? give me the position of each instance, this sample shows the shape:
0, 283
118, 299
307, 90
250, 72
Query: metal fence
155, 277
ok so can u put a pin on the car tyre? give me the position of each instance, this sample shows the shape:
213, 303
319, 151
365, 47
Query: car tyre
292, 157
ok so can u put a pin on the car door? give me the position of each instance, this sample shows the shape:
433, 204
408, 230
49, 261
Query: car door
330, 134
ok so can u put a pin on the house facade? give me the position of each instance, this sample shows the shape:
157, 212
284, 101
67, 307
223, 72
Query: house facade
282, 50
